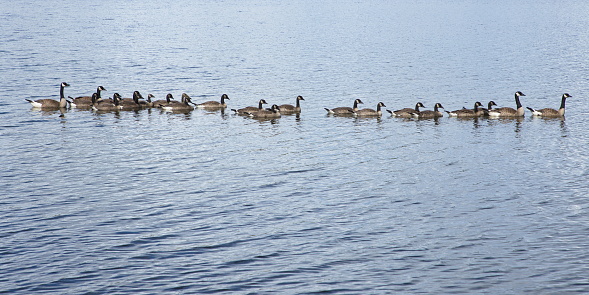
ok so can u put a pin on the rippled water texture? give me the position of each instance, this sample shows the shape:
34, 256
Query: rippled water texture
151, 202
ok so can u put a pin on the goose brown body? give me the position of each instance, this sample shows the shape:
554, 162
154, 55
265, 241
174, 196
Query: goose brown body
292, 109
83, 101
273, 112
244, 111
552, 113
48, 103
345, 110
468, 113
510, 112
428, 114
407, 112
370, 112
180, 106
214, 104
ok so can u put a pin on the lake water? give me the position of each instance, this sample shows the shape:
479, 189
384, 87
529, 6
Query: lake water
150, 202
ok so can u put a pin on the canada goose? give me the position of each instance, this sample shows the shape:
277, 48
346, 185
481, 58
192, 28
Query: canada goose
214, 105
245, 110
290, 109
147, 103
370, 112
429, 114
106, 105
48, 103
344, 110
509, 112
131, 105
179, 106
161, 102
468, 113
489, 107
548, 112
83, 103
86, 101
406, 112
273, 112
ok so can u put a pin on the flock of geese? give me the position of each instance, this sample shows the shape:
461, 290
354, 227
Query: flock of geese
138, 102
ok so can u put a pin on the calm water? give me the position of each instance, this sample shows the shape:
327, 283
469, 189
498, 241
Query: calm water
159, 203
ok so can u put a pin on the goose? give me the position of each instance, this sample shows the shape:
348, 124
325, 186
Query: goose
86, 101
214, 105
161, 102
406, 112
48, 103
344, 110
370, 112
83, 103
429, 114
108, 105
468, 113
507, 111
179, 106
548, 112
245, 110
489, 107
290, 109
273, 112
147, 103
131, 105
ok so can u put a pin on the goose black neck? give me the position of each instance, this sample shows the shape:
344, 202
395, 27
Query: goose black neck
563, 101
260, 105
517, 103
61, 92
98, 93
298, 103
417, 107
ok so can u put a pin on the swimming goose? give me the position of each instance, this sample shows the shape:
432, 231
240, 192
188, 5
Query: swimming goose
548, 112
131, 105
161, 102
290, 109
245, 110
214, 105
107, 105
83, 103
344, 110
48, 103
429, 114
86, 101
273, 112
468, 113
179, 106
406, 112
509, 112
370, 112
489, 107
